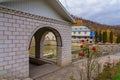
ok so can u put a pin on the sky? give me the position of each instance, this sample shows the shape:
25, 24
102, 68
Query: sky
101, 11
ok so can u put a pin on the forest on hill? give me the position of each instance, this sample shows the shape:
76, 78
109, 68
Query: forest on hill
100, 28
97, 26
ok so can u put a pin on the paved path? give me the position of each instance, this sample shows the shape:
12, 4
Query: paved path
117, 54
42, 70
65, 73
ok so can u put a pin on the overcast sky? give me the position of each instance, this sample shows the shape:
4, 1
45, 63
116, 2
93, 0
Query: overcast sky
102, 11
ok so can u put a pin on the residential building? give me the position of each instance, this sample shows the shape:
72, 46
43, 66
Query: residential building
82, 33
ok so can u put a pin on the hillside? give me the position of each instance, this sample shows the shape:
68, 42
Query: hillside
96, 26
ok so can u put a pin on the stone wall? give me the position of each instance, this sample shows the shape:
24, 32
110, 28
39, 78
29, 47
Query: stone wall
109, 49
75, 68
16, 31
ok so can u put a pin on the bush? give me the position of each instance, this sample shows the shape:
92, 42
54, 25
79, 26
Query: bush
110, 73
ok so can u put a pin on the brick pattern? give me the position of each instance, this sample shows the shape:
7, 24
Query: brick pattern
30, 16
15, 34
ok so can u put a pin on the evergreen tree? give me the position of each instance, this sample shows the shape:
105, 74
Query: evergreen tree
111, 37
96, 36
118, 39
100, 36
104, 37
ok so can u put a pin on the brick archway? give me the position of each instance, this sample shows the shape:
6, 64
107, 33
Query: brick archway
39, 36
17, 30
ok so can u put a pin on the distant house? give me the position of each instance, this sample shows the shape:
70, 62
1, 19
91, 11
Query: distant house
50, 36
81, 33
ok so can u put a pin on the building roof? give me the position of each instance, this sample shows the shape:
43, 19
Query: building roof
55, 4
80, 28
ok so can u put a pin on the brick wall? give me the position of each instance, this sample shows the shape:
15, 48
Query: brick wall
15, 35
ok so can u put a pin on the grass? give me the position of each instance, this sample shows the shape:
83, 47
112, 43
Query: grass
32, 50
75, 48
110, 73
47, 49
117, 75
51, 48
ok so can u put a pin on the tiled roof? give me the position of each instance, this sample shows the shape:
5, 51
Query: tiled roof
80, 28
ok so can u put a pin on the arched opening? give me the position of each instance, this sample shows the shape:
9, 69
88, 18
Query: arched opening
32, 47
45, 48
50, 47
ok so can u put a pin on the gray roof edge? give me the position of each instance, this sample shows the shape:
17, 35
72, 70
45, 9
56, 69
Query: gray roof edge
65, 12
70, 17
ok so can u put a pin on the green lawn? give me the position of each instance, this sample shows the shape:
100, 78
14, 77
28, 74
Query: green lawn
110, 73
32, 50
75, 47
47, 49
117, 75
50, 48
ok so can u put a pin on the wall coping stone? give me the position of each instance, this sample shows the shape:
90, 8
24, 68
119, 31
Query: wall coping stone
11, 11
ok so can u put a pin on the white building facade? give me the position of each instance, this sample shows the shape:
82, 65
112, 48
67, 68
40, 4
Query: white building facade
50, 37
81, 33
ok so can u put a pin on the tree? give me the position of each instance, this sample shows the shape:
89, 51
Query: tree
100, 36
96, 36
104, 37
118, 39
111, 37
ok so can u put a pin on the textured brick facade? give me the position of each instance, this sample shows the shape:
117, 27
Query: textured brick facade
16, 31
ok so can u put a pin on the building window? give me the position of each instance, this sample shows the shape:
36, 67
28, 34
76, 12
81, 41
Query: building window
53, 38
74, 32
85, 32
79, 32
90, 41
75, 28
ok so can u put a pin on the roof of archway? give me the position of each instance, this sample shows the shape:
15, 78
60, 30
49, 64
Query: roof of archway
47, 8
